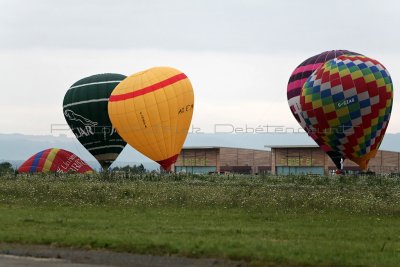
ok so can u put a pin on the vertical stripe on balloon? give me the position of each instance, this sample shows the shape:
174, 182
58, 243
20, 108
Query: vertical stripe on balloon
36, 161
50, 159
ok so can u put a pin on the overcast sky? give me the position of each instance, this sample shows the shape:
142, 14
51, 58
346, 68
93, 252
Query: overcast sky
238, 54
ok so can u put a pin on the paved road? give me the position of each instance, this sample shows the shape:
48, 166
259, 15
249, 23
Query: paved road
17, 255
18, 261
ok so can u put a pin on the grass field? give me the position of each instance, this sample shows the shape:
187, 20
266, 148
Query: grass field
264, 220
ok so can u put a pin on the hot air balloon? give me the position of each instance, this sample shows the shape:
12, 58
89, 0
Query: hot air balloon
347, 103
295, 84
152, 111
85, 110
54, 160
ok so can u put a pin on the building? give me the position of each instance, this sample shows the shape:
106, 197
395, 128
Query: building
222, 160
282, 160
312, 160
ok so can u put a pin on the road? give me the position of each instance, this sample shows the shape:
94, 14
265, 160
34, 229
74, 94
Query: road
16, 255
18, 261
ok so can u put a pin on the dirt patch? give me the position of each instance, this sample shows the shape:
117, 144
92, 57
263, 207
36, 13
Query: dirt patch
110, 258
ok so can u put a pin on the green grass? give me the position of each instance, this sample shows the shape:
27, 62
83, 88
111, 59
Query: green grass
274, 221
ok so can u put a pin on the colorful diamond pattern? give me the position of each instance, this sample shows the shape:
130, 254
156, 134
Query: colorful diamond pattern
351, 110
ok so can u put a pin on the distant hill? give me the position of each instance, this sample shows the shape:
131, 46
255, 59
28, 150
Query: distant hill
16, 148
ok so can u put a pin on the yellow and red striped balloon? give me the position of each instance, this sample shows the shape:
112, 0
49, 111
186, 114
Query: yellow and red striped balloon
152, 111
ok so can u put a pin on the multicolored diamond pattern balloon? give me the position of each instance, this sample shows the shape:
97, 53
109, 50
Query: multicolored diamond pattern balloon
296, 81
347, 103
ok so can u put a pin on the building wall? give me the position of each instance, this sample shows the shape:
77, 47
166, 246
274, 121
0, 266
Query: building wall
225, 159
292, 160
384, 162
244, 160
228, 156
295, 160
262, 161
197, 157
197, 160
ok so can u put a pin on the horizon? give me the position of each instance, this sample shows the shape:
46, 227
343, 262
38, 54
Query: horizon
25, 146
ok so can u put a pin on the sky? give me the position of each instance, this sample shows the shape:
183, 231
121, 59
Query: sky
238, 54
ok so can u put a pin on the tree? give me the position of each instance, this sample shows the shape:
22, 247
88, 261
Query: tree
6, 167
131, 169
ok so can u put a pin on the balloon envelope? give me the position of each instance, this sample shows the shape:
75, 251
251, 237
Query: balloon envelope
85, 110
294, 88
347, 104
300, 75
152, 111
55, 160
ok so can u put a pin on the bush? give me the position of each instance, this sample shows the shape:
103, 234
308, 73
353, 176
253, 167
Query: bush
6, 168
